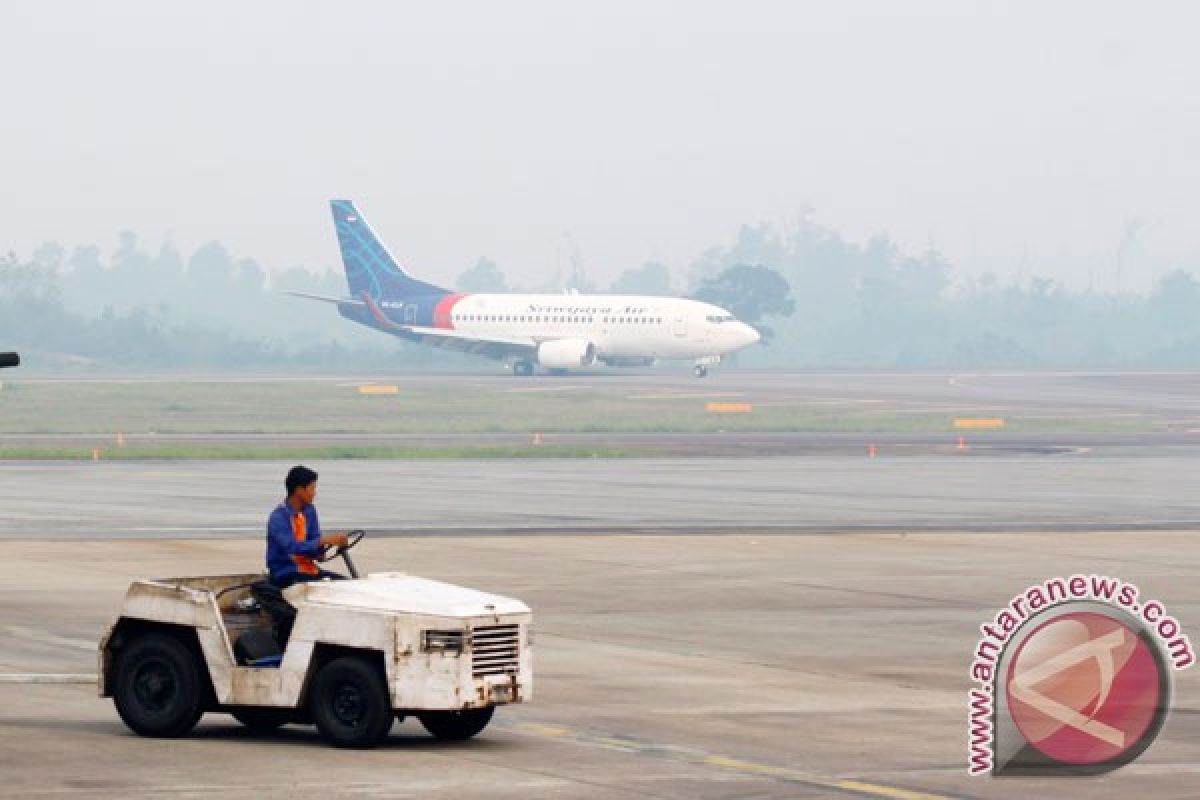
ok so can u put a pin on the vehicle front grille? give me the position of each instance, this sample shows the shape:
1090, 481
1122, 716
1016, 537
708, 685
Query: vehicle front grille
495, 650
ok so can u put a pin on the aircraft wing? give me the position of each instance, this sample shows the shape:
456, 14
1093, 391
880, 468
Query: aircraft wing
493, 346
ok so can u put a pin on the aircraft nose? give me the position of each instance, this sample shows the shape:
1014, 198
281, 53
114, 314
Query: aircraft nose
750, 335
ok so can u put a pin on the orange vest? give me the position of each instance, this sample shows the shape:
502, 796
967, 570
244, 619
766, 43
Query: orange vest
304, 564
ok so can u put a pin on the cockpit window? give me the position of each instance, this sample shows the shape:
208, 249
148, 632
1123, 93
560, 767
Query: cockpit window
718, 318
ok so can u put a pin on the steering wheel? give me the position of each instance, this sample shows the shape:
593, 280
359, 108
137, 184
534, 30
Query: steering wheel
353, 538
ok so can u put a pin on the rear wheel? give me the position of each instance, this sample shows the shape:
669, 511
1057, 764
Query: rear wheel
523, 367
158, 689
455, 726
263, 720
350, 703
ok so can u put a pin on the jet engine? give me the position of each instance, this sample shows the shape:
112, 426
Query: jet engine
566, 353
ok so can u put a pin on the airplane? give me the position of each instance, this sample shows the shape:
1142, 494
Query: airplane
556, 332
9, 360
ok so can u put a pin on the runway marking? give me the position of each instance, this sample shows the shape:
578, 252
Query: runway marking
34, 635
48, 677
686, 755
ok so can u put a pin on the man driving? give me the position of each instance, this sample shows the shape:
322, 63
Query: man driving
294, 539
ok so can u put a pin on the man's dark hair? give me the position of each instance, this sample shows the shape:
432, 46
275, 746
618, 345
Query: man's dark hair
297, 477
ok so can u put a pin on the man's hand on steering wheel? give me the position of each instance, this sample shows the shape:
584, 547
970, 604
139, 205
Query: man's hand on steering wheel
335, 540
335, 544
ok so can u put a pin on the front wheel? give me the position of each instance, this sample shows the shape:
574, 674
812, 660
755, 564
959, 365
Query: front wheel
455, 726
351, 704
700, 370
158, 687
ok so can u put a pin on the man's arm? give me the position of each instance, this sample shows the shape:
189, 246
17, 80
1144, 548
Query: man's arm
279, 529
326, 539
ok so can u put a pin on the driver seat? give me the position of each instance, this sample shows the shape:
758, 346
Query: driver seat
283, 614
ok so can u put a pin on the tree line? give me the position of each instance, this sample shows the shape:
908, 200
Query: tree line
819, 299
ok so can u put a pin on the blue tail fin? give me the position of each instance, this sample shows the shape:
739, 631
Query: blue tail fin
370, 268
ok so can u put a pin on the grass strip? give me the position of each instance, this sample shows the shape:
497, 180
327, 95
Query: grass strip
237, 453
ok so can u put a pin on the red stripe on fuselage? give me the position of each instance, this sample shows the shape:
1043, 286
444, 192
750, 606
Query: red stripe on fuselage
443, 312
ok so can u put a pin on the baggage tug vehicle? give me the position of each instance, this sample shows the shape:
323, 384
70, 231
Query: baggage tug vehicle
360, 653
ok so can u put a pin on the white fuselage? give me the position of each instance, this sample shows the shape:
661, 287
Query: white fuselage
619, 326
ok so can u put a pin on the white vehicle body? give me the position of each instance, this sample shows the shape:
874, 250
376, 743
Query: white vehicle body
441, 647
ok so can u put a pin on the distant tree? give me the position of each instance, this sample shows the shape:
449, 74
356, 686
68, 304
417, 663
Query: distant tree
485, 276
1176, 300
751, 293
211, 267
651, 278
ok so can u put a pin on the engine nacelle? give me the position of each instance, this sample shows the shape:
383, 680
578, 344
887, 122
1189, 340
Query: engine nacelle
566, 353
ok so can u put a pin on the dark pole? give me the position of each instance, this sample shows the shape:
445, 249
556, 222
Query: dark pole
9, 360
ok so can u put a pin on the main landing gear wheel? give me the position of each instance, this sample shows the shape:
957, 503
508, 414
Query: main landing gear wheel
455, 726
700, 370
158, 687
522, 367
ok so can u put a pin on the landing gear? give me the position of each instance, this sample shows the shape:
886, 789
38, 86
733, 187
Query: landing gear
522, 367
702, 365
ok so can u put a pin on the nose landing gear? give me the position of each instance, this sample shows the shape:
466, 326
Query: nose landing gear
702, 365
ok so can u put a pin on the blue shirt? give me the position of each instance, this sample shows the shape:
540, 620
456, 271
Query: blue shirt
285, 553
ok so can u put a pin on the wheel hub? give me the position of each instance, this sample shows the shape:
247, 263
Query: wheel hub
154, 685
348, 705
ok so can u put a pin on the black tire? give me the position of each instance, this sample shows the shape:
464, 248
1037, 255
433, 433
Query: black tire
455, 726
350, 703
263, 720
523, 368
159, 686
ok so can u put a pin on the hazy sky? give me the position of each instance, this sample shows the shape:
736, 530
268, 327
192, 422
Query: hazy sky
1016, 137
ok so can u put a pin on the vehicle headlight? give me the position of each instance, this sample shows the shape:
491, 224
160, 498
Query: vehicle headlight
443, 641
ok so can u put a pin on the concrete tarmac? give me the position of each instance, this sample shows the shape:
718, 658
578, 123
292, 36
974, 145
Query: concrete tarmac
733, 666
1060, 491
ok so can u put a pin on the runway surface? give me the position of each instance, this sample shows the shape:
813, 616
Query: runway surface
796, 621
1047, 492
670, 667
